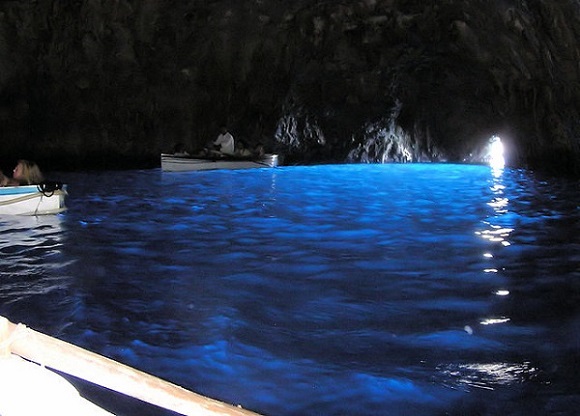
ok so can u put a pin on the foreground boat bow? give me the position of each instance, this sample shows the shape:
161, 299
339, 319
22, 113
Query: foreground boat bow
19, 340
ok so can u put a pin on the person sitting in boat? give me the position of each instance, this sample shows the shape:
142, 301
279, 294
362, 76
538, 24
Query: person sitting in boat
259, 150
179, 150
6, 181
242, 150
26, 172
224, 143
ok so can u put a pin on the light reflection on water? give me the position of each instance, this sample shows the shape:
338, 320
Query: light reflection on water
316, 290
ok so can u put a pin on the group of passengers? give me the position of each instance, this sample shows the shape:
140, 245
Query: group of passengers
26, 172
223, 145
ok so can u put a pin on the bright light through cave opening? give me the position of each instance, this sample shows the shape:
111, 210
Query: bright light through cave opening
495, 153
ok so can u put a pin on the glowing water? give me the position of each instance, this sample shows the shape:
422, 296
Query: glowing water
353, 289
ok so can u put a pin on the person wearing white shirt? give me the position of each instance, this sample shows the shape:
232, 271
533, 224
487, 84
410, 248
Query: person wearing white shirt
225, 142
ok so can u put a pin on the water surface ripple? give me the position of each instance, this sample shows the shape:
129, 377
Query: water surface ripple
340, 289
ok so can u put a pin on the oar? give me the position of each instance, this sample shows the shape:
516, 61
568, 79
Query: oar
78, 362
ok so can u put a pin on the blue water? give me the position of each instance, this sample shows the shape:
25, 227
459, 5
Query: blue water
323, 290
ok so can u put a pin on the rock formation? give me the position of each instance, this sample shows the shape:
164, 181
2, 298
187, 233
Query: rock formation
113, 83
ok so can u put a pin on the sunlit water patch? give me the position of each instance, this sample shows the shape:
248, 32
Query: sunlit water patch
342, 289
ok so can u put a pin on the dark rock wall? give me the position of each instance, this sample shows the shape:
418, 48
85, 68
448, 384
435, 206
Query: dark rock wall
91, 83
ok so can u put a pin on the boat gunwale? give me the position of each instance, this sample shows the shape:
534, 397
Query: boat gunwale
178, 163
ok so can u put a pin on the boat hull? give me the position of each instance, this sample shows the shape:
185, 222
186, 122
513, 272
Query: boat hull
31, 200
171, 163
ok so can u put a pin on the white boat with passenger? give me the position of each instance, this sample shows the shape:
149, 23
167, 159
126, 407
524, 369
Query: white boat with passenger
41, 199
174, 163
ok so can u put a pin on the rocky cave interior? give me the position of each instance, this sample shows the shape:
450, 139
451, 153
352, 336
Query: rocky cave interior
99, 84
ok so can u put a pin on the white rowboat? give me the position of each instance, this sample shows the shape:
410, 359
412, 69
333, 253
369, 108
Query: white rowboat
46, 198
172, 163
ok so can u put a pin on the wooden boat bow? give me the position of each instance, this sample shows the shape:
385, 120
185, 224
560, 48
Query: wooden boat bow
67, 358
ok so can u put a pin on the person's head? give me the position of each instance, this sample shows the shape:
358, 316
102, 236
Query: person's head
223, 129
27, 173
259, 149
